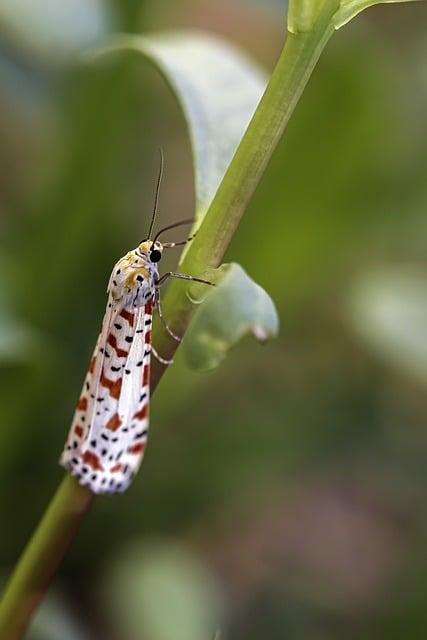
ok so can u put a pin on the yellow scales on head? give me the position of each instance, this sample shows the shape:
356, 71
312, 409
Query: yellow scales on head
132, 267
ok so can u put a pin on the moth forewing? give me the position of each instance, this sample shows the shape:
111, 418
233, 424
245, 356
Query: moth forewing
107, 438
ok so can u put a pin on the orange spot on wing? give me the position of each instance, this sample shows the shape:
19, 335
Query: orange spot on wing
114, 387
137, 448
117, 467
130, 317
147, 339
78, 430
146, 375
92, 460
113, 342
82, 404
92, 364
114, 423
148, 307
142, 413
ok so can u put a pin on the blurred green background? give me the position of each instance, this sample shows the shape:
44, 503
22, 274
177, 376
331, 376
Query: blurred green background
282, 495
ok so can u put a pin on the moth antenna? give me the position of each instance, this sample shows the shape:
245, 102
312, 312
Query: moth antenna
156, 199
172, 226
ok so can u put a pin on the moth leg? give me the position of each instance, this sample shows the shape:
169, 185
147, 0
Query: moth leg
181, 276
163, 320
159, 358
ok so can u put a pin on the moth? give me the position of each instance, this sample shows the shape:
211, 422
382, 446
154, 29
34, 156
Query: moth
108, 434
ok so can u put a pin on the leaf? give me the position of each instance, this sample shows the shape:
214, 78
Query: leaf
162, 592
238, 306
389, 312
348, 9
218, 89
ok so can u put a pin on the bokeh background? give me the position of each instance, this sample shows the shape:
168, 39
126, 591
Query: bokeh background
282, 495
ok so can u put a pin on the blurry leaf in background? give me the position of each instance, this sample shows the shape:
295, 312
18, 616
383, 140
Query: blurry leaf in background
162, 591
203, 71
236, 307
70, 25
388, 309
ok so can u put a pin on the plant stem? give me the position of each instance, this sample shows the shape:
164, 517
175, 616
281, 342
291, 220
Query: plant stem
42, 556
49, 543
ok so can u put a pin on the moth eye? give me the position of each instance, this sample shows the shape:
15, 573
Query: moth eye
155, 255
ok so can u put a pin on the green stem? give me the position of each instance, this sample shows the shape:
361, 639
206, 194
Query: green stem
42, 556
47, 547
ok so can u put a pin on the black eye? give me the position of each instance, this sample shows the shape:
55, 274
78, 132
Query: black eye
155, 255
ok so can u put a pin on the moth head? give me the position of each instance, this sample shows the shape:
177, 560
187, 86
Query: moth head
152, 250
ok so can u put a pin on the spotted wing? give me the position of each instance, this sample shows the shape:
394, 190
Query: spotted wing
108, 434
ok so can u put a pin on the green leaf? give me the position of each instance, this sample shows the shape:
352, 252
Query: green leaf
218, 88
389, 312
236, 307
348, 9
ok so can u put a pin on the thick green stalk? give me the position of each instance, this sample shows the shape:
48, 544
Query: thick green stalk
46, 549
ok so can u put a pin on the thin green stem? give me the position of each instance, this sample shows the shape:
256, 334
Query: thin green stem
42, 556
47, 547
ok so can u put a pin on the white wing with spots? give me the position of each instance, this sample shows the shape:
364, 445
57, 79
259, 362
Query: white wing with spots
108, 435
